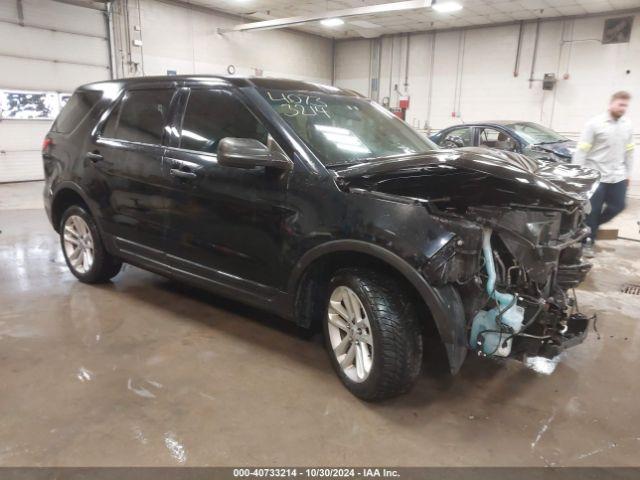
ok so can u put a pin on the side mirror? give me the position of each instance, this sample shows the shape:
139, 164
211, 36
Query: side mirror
453, 141
250, 153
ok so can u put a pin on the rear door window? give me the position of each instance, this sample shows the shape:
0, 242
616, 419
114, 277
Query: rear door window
213, 114
76, 109
140, 116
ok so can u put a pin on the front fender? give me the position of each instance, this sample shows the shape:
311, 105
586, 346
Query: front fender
443, 302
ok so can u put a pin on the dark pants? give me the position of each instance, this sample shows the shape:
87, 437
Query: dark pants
611, 196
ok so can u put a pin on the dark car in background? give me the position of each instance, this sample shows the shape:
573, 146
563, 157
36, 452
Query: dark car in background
528, 138
323, 207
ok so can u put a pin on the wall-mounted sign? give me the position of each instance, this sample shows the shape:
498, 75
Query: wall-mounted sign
617, 30
549, 81
26, 105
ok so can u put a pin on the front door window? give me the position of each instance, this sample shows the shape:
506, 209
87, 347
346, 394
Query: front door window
212, 115
493, 138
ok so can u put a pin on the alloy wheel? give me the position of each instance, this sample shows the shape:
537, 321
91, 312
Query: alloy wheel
350, 334
78, 244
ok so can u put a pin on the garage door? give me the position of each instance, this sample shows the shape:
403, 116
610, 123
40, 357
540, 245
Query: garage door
48, 49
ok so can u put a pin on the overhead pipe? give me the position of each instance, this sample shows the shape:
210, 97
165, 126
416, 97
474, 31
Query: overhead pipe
535, 53
406, 64
430, 92
375, 68
333, 61
20, 9
391, 55
457, 94
110, 41
516, 68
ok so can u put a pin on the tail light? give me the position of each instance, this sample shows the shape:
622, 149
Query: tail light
47, 143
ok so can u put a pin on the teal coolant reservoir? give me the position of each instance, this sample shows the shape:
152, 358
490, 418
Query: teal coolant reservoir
492, 330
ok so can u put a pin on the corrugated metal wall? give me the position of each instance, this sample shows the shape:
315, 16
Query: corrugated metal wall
49, 46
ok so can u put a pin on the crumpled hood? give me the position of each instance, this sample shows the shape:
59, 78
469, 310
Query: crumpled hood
559, 182
561, 149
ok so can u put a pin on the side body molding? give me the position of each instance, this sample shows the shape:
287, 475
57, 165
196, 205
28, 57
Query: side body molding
444, 303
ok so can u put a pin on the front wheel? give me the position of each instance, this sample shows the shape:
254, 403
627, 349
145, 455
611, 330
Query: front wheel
83, 250
372, 334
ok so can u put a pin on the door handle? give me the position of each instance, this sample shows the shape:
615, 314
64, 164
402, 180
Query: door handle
174, 172
94, 156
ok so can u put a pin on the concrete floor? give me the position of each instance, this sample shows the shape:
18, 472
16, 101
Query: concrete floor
145, 371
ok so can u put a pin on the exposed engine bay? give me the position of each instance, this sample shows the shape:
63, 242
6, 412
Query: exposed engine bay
519, 299
516, 253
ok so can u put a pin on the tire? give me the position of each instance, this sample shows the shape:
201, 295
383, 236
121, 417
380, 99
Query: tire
77, 228
388, 342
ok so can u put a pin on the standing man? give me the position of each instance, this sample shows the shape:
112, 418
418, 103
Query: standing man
607, 145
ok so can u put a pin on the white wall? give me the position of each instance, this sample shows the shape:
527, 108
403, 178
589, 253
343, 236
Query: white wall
472, 74
352, 65
186, 40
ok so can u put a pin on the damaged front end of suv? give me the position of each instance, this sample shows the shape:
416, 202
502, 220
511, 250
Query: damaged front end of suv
513, 252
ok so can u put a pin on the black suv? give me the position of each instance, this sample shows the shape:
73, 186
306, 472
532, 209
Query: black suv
321, 206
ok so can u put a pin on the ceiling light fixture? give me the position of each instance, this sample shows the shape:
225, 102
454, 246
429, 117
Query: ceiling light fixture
332, 22
364, 24
446, 7
342, 14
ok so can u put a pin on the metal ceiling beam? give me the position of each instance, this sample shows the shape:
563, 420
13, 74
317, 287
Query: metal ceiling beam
349, 12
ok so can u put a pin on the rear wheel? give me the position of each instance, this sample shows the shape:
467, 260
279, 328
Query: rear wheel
372, 334
83, 250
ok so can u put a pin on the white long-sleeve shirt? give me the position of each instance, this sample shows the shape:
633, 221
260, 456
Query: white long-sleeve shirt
606, 145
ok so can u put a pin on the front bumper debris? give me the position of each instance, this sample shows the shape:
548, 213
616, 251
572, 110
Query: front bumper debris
574, 333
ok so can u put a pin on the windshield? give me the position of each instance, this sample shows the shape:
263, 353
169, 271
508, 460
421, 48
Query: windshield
342, 130
536, 134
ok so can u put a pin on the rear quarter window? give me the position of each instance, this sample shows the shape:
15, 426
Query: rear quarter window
76, 109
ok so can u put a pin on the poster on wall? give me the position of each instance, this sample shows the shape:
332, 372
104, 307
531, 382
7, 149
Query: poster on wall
23, 105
